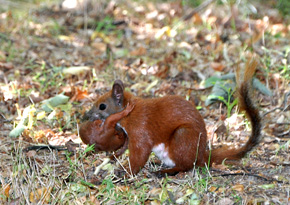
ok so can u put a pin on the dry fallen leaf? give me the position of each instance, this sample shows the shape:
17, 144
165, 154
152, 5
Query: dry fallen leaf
100, 46
6, 189
75, 70
155, 191
8, 65
41, 136
238, 187
225, 201
212, 189
221, 190
123, 188
139, 51
217, 66
2, 56
94, 200
197, 19
81, 94
31, 153
220, 166
40, 194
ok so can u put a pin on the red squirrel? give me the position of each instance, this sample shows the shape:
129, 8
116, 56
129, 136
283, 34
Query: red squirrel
104, 135
173, 129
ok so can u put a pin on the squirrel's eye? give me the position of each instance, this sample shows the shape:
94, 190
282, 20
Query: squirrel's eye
102, 106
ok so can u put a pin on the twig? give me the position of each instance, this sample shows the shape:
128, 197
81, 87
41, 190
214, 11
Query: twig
39, 147
197, 9
3, 118
276, 108
283, 133
98, 168
280, 164
285, 100
282, 107
121, 165
249, 174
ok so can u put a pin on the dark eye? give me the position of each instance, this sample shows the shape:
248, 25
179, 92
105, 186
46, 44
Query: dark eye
102, 106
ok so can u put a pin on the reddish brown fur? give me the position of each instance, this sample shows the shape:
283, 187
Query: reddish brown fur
104, 135
177, 124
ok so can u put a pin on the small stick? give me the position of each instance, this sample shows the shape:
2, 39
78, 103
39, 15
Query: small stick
40, 147
248, 174
98, 168
197, 9
282, 107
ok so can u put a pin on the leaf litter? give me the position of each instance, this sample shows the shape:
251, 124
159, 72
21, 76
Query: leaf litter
57, 62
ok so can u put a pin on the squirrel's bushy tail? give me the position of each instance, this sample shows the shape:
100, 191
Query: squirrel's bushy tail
245, 103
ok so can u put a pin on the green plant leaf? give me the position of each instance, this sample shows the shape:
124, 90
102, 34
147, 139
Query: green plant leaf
267, 186
219, 92
211, 81
53, 102
78, 187
21, 125
17, 131
261, 87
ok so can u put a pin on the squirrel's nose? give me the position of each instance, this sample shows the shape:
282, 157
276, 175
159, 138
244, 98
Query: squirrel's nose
91, 115
94, 116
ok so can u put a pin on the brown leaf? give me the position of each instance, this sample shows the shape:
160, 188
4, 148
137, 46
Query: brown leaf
221, 128
221, 190
162, 70
71, 146
40, 136
8, 65
123, 188
2, 55
100, 46
79, 95
217, 66
31, 153
27, 135
212, 189
197, 19
219, 166
225, 201
6, 189
155, 191
139, 51
36, 98
94, 200
238, 187
41, 193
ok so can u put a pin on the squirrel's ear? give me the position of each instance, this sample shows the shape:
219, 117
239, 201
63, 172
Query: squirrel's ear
118, 92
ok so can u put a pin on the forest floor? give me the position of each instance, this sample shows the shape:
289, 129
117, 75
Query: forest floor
55, 62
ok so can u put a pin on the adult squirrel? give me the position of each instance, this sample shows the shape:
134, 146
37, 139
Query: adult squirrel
104, 134
172, 127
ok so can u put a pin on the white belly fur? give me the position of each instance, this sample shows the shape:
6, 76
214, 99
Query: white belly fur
162, 153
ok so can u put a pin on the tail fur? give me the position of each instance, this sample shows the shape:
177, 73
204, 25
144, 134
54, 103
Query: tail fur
245, 103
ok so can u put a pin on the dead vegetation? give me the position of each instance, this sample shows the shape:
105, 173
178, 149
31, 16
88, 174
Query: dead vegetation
55, 61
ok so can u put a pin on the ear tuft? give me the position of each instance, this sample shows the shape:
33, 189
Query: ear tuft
118, 91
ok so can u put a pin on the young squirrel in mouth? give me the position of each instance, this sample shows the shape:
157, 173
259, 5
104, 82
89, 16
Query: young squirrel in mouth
172, 127
104, 135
